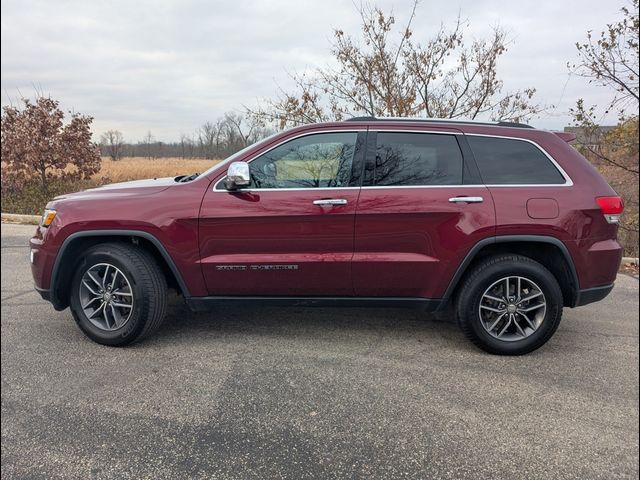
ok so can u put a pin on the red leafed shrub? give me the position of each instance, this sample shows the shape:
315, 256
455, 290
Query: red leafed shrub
39, 148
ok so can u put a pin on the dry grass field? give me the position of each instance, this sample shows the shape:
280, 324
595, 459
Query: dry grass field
135, 168
31, 198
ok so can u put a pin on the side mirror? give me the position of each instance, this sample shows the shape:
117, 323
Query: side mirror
238, 176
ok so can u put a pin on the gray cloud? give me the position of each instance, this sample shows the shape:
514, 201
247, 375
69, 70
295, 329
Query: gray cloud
169, 66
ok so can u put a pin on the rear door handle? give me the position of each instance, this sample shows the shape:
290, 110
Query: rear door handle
330, 201
466, 199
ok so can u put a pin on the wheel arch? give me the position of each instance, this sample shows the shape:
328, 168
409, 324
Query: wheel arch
71, 249
549, 251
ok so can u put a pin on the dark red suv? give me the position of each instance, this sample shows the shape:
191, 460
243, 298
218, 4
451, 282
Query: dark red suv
506, 223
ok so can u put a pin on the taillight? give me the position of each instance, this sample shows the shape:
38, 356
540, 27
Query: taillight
611, 208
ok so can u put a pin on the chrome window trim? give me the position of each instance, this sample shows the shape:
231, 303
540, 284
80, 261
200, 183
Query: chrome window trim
319, 189
567, 179
565, 175
386, 187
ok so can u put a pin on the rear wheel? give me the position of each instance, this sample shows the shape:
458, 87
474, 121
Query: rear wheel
509, 305
118, 294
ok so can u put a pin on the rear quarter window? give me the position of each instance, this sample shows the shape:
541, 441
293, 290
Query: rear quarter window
505, 161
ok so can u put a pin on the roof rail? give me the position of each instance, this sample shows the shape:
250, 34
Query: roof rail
360, 119
437, 120
513, 124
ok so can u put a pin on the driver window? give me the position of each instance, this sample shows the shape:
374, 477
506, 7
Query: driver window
321, 160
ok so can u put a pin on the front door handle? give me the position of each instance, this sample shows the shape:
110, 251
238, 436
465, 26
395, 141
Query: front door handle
466, 200
330, 201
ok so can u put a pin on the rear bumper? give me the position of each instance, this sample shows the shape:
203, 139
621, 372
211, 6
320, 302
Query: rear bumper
591, 295
596, 262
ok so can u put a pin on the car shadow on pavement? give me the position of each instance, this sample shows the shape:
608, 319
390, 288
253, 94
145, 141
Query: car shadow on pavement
307, 323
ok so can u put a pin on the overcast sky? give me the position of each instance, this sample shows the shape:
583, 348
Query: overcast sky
169, 66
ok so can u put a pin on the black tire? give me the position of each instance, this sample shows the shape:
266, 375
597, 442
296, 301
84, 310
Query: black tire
481, 277
148, 285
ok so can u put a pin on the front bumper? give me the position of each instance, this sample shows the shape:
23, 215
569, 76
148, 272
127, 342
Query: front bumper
42, 258
45, 293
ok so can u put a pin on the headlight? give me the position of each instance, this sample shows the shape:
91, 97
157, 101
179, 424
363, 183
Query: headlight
47, 217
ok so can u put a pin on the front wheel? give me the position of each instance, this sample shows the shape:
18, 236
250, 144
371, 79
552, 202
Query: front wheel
118, 294
509, 305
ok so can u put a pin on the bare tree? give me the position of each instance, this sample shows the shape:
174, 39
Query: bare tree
214, 139
437, 77
612, 62
147, 142
112, 142
236, 133
243, 130
184, 145
209, 137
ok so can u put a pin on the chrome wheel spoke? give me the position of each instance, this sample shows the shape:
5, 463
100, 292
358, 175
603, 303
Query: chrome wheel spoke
93, 292
518, 327
491, 309
94, 279
91, 301
106, 316
121, 305
532, 307
495, 299
495, 322
104, 276
115, 316
530, 297
506, 325
528, 320
97, 310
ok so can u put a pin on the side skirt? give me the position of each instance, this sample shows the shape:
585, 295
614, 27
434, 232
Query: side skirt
203, 304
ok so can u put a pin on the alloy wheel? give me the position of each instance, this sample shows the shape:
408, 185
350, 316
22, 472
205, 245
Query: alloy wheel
106, 296
512, 308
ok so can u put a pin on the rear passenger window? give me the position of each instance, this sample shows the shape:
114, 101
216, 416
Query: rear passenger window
417, 159
504, 161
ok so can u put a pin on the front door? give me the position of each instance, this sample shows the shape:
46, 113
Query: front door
421, 209
291, 232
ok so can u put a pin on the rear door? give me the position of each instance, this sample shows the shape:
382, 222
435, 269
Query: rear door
422, 207
291, 233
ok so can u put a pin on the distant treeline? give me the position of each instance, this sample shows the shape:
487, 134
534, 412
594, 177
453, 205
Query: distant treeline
217, 139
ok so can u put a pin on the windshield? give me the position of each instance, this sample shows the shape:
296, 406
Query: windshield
239, 153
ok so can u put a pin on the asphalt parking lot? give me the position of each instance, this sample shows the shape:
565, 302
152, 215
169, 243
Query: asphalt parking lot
313, 393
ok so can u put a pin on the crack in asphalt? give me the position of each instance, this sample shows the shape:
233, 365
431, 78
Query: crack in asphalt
16, 295
28, 304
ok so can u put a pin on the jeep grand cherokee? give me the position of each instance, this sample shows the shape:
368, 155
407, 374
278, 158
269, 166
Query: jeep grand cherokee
506, 223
